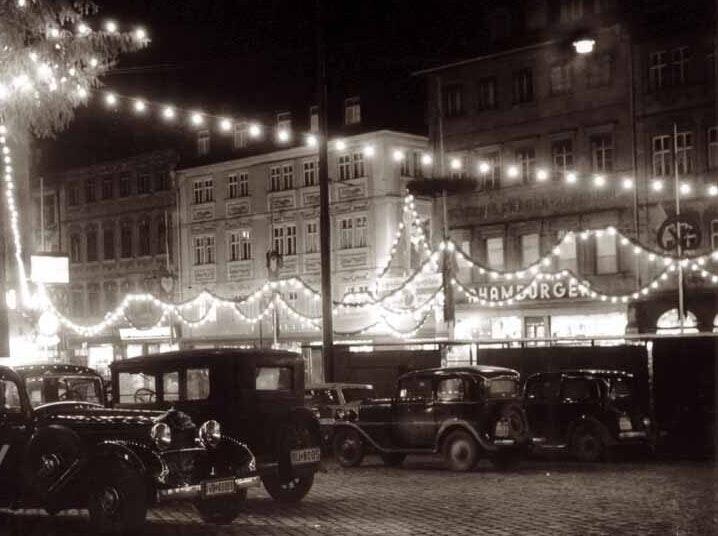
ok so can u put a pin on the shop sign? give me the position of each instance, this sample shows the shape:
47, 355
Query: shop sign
135, 334
538, 290
687, 227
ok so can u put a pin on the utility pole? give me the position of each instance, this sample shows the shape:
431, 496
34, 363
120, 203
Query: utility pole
679, 239
325, 226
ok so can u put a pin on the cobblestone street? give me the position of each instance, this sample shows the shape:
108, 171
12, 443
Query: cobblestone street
541, 497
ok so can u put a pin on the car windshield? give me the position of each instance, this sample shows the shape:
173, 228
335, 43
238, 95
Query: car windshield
354, 394
620, 389
57, 388
323, 396
502, 387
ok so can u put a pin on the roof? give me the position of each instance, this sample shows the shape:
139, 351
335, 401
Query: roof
330, 385
477, 370
50, 368
202, 355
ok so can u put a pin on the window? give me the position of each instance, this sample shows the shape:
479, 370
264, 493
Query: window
599, 71
284, 239
91, 249
314, 118
170, 386
202, 142
311, 239
240, 245
107, 188
273, 379
360, 232
162, 236
602, 153
606, 254
126, 241
526, 159
284, 121
543, 388
10, 401
238, 185
351, 166
353, 232
90, 194
162, 181
281, 177
714, 234
110, 295
495, 252
144, 229
562, 157
278, 239
73, 195
144, 183
197, 384
357, 394
232, 186
108, 243
530, 249
486, 96
571, 10
453, 100
203, 250
76, 248
568, 258
415, 388
136, 388
560, 79
523, 86
492, 179
345, 167
124, 185
352, 111
713, 147
309, 172
659, 63
684, 152
93, 299
241, 135
450, 390
662, 151
275, 178
77, 302
679, 60
358, 164
203, 191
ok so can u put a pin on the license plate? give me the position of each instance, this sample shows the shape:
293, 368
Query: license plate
502, 429
301, 456
219, 487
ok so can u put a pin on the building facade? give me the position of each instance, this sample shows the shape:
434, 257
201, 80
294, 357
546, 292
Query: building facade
234, 213
116, 223
561, 139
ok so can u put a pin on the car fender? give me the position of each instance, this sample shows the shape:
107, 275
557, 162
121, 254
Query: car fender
450, 425
145, 460
593, 423
339, 425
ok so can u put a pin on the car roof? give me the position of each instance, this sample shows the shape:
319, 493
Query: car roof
332, 385
51, 368
587, 373
485, 371
202, 355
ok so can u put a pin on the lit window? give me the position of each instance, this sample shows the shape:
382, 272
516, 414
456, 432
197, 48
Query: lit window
240, 245
314, 118
352, 111
684, 152
568, 258
562, 157
284, 121
526, 159
495, 252
662, 156
241, 135
346, 233
606, 254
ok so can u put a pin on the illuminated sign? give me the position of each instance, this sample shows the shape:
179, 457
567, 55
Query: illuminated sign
539, 290
134, 334
49, 269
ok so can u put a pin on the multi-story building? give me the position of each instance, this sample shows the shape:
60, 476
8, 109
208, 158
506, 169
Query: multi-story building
233, 213
116, 225
567, 125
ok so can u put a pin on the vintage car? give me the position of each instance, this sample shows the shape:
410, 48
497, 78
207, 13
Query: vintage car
46, 383
465, 413
327, 398
116, 463
585, 412
257, 395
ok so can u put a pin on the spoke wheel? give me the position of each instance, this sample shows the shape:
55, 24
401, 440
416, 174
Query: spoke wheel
461, 452
117, 501
348, 448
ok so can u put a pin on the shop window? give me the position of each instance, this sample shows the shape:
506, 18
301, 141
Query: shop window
606, 254
536, 327
415, 389
668, 322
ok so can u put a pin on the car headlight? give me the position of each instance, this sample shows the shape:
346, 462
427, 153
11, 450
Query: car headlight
210, 433
252, 466
624, 423
646, 422
161, 434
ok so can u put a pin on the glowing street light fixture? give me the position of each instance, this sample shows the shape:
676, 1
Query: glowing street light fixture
584, 46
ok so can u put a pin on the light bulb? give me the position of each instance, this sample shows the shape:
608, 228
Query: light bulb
599, 181
398, 155
484, 168
713, 190
455, 164
140, 106
426, 159
627, 183
571, 177
196, 118
140, 34
225, 125
512, 171
312, 140
255, 130
541, 175
168, 112
369, 151
685, 188
110, 99
657, 185
111, 26
283, 135
340, 145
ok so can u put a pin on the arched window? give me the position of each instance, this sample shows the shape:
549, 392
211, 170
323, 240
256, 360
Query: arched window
668, 322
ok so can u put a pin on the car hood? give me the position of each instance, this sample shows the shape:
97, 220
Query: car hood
92, 415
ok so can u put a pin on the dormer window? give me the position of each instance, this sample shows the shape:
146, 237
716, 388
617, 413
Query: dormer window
202, 142
352, 111
241, 135
314, 118
284, 121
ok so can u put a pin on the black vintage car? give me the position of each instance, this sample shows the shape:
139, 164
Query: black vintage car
116, 463
466, 413
327, 398
258, 395
585, 412
46, 383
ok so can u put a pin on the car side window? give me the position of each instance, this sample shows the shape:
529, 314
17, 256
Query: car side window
273, 379
197, 384
450, 390
543, 389
579, 390
415, 389
136, 388
9, 397
170, 386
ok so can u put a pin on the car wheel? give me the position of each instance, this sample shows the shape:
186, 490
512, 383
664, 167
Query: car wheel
587, 445
461, 452
117, 500
348, 448
506, 460
222, 510
289, 490
392, 459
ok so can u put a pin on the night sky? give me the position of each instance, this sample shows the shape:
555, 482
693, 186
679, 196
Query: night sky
258, 57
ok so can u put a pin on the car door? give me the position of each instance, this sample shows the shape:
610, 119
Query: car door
541, 403
413, 413
579, 398
14, 431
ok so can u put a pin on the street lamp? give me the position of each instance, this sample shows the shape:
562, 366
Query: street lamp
584, 46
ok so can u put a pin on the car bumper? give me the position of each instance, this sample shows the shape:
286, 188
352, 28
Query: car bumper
195, 491
633, 435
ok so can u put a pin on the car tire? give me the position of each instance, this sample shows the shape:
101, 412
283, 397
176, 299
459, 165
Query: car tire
285, 486
461, 451
587, 445
348, 448
222, 510
290, 490
117, 501
392, 459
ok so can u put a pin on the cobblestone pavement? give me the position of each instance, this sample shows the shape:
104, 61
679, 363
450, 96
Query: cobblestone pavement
421, 498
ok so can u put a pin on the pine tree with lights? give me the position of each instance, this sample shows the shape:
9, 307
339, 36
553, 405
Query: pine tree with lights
51, 59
